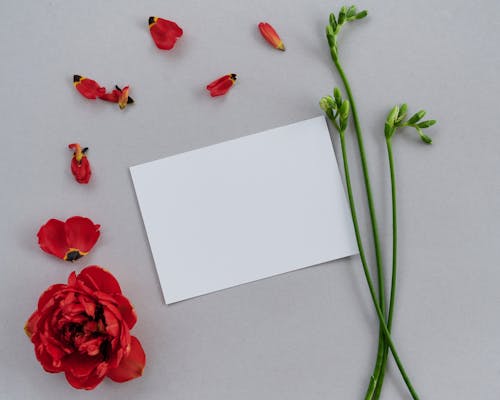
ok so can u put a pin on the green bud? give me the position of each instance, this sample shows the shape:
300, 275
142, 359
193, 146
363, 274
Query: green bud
425, 138
324, 105
416, 117
333, 21
330, 36
391, 117
331, 102
361, 14
351, 13
426, 124
342, 15
403, 109
338, 97
388, 130
344, 110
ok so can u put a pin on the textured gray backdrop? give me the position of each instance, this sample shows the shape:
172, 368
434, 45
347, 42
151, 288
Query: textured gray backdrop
309, 334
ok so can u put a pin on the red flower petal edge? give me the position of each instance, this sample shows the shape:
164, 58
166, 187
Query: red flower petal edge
271, 36
80, 167
82, 328
87, 87
119, 96
68, 240
164, 32
221, 85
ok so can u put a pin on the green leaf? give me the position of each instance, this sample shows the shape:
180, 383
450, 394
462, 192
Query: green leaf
361, 14
416, 117
426, 124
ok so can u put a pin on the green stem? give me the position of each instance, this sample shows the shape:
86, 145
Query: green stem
380, 380
369, 281
380, 273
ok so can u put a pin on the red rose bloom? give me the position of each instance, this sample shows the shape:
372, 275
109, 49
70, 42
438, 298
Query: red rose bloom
68, 240
222, 85
82, 328
80, 167
164, 32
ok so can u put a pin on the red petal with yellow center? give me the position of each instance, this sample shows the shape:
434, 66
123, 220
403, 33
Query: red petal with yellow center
132, 365
164, 32
81, 233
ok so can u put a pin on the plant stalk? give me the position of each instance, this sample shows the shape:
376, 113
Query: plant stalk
369, 281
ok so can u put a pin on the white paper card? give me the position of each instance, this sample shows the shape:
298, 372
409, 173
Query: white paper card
244, 210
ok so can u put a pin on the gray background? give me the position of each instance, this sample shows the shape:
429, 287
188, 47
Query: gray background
309, 334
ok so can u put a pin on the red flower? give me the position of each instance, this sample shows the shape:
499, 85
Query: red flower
82, 328
68, 240
88, 87
80, 166
164, 32
119, 96
271, 36
221, 86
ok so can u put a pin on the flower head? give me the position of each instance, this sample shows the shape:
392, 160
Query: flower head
68, 240
82, 328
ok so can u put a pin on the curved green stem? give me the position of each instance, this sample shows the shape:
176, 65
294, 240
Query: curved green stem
380, 380
380, 273
369, 281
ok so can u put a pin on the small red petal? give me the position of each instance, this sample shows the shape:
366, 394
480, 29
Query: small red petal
112, 96
99, 279
52, 238
164, 32
86, 382
126, 310
31, 325
271, 36
131, 366
88, 87
81, 233
81, 170
221, 85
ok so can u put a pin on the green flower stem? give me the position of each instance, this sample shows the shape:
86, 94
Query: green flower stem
380, 273
380, 379
369, 281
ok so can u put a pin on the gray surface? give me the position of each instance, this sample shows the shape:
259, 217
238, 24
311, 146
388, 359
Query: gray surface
310, 334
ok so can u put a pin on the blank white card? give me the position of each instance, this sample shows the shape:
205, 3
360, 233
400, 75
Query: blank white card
245, 209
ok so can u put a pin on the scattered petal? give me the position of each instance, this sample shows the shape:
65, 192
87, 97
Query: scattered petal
88, 87
131, 366
222, 85
164, 32
271, 36
80, 167
119, 96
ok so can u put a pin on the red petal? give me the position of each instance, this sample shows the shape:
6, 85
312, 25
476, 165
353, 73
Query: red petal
271, 36
48, 295
52, 238
81, 170
99, 279
81, 233
31, 324
126, 310
221, 86
165, 33
88, 87
113, 96
131, 366
86, 382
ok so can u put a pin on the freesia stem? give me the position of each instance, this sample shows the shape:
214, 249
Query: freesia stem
380, 379
380, 273
369, 281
